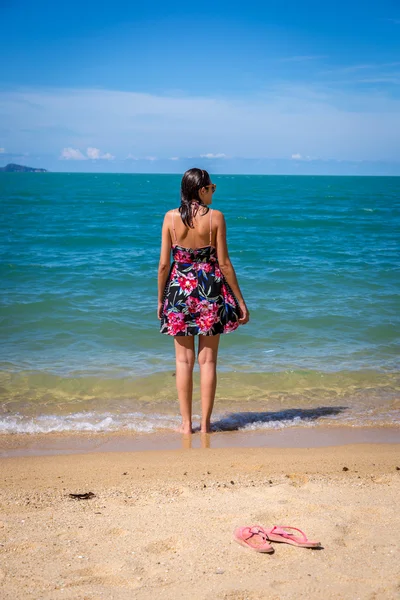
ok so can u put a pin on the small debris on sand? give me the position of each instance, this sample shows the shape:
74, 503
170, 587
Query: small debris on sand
84, 496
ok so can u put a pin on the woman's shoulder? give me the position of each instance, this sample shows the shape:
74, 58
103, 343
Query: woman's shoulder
218, 215
169, 213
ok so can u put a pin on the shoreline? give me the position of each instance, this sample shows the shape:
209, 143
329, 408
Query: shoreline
251, 465
52, 444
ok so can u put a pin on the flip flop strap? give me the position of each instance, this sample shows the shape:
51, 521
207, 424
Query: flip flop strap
257, 531
280, 530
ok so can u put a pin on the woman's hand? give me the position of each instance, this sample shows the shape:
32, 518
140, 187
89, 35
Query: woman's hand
245, 315
159, 310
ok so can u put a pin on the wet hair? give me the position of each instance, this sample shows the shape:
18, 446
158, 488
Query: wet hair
192, 181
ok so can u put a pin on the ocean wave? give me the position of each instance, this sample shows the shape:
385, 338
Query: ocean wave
87, 422
142, 423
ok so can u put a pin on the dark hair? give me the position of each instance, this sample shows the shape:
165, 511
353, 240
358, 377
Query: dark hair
192, 181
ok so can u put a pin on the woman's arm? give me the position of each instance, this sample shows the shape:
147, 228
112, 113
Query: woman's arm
227, 267
164, 264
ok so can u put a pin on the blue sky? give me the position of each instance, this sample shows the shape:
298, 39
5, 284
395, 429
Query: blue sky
231, 85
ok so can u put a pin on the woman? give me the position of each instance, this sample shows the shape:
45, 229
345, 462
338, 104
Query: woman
198, 294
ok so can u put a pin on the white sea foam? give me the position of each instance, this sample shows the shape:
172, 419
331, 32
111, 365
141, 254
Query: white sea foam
87, 422
135, 422
143, 423
283, 424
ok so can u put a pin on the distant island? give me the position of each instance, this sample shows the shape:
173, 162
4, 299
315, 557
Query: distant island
13, 168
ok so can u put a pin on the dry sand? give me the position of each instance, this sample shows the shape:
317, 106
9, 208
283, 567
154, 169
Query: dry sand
160, 524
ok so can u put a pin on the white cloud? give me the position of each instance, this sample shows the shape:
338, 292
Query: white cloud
322, 119
376, 68
383, 79
359, 67
210, 155
95, 154
133, 157
91, 153
71, 154
174, 158
2, 150
301, 58
107, 156
301, 157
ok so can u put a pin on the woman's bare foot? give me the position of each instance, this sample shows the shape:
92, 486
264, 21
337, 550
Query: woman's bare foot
205, 428
185, 428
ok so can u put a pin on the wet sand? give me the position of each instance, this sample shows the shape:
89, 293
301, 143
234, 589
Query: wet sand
160, 523
293, 437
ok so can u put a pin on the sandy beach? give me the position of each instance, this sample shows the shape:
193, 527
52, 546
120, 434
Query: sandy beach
160, 523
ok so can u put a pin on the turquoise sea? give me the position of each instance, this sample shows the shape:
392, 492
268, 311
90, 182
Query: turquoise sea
317, 259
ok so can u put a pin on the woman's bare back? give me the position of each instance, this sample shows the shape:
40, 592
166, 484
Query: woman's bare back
202, 234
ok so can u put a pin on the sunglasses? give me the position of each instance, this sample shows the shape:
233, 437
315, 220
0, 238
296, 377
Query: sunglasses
213, 187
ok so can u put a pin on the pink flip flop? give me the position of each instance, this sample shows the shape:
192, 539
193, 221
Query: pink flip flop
278, 534
253, 538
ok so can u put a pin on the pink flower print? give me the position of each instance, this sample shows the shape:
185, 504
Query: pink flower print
202, 266
174, 316
174, 271
182, 256
175, 328
205, 322
187, 283
176, 322
192, 304
218, 273
231, 326
204, 307
208, 308
229, 299
206, 267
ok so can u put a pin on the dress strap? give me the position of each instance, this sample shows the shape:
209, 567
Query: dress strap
211, 225
173, 227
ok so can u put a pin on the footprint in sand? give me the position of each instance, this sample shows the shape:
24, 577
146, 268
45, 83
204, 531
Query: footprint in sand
118, 532
26, 547
297, 479
243, 595
101, 575
162, 546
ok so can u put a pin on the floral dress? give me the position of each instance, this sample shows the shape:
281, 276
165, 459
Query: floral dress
197, 299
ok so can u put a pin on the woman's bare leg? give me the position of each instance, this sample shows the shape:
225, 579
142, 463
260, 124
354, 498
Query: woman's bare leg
184, 353
207, 357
